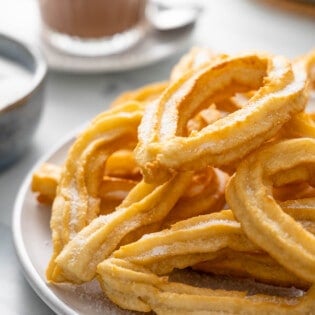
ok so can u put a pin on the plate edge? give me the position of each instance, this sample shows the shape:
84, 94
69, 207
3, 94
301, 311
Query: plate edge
29, 271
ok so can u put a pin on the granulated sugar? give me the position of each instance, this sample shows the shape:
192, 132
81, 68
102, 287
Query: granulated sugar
89, 299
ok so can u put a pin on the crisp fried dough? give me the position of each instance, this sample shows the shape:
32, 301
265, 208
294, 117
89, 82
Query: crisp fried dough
203, 118
301, 125
257, 266
77, 200
206, 194
195, 59
145, 204
46, 178
162, 147
308, 60
144, 95
294, 191
134, 287
194, 241
44, 182
122, 164
208, 237
249, 194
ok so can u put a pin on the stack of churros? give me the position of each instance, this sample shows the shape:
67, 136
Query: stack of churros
212, 171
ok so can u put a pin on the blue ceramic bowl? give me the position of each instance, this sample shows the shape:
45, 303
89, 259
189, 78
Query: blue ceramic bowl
19, 118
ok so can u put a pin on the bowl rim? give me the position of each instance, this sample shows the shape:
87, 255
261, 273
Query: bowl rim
37, 76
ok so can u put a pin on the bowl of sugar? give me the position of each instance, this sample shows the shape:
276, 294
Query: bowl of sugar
22, 76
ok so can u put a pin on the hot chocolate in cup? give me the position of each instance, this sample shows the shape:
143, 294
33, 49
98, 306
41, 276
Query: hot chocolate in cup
92, 27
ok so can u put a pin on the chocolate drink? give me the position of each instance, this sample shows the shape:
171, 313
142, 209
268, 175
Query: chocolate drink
91, 18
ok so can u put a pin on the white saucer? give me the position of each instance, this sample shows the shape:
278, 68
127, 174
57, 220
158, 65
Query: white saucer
154, 47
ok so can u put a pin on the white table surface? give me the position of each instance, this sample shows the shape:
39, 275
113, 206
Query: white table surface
72, 99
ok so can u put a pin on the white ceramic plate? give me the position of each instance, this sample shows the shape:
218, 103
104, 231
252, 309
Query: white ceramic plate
33, 245
32, 240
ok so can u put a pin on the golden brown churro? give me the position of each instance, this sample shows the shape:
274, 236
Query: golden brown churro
162, 147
